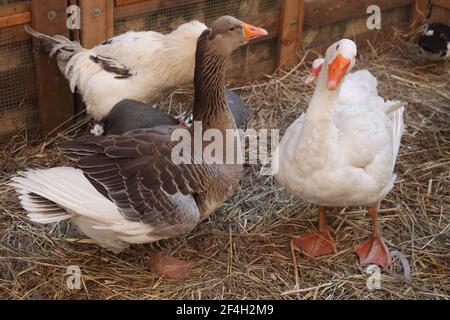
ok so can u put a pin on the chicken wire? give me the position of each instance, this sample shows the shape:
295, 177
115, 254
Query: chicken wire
18, 103
150, 15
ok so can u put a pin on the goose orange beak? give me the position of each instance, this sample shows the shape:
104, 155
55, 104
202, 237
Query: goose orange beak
252, 32
337, 70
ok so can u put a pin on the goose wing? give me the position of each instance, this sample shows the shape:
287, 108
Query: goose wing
136, 172
131, 50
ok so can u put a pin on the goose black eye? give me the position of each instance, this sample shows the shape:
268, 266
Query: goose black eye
232, 29
337, 47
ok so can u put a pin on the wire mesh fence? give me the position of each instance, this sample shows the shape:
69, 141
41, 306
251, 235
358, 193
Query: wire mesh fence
18, 103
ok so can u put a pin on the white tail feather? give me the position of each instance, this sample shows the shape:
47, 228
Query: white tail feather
71, 195
68, 188
398, 128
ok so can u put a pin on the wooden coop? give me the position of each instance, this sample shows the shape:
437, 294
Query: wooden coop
34, 95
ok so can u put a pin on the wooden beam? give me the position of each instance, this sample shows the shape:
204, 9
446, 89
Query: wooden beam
291, 28
441, 3
96, 21
440, 14
329, 33
120, 3
419, 12
163, 3
15, 8
319, 12
55, 101
14, 14
140, 7
14, 20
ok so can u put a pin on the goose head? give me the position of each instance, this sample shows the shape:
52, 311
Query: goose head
316, 68
339, 59
227, 33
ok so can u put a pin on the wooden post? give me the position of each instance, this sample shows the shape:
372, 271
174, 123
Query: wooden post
419, 12
96, 21
14, 14
440, 11
55, 100
291, 22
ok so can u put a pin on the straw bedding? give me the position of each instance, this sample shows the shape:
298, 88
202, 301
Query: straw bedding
243, 251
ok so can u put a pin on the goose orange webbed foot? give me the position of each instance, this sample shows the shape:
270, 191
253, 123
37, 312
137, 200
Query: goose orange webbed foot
316, 244
167, 266
373, 251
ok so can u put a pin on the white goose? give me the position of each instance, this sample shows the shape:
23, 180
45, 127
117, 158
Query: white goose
134, 65
342, 151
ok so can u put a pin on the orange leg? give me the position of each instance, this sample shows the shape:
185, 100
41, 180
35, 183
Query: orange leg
317, 243
374, 250
165, 265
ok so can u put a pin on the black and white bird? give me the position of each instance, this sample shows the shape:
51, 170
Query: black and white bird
434, 42
133, 65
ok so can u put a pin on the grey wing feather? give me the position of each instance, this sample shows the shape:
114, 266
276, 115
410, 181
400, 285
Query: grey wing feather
139, 177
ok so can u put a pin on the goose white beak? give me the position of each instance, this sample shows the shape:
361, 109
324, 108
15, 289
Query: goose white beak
252, 32
337, 70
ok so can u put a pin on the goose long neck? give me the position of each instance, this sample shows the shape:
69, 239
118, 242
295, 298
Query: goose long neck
321, 107
210, 106
318, 130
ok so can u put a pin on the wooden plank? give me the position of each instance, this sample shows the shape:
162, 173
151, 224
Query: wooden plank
320, 12
440, 14
14, 8
14, 20
160, 3
127, 2
291, 27
141, 7
419, 12
314, 37
96, 21
441, 3
55, 101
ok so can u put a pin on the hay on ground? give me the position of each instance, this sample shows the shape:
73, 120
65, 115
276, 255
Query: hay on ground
243, 250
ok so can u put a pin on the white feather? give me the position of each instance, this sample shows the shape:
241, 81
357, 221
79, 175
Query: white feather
96, 216
342, 151
158, 62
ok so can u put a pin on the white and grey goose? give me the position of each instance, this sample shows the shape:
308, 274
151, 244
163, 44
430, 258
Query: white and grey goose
125, 189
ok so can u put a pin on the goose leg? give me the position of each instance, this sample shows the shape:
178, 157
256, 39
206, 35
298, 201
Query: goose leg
317, 243
374, 250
